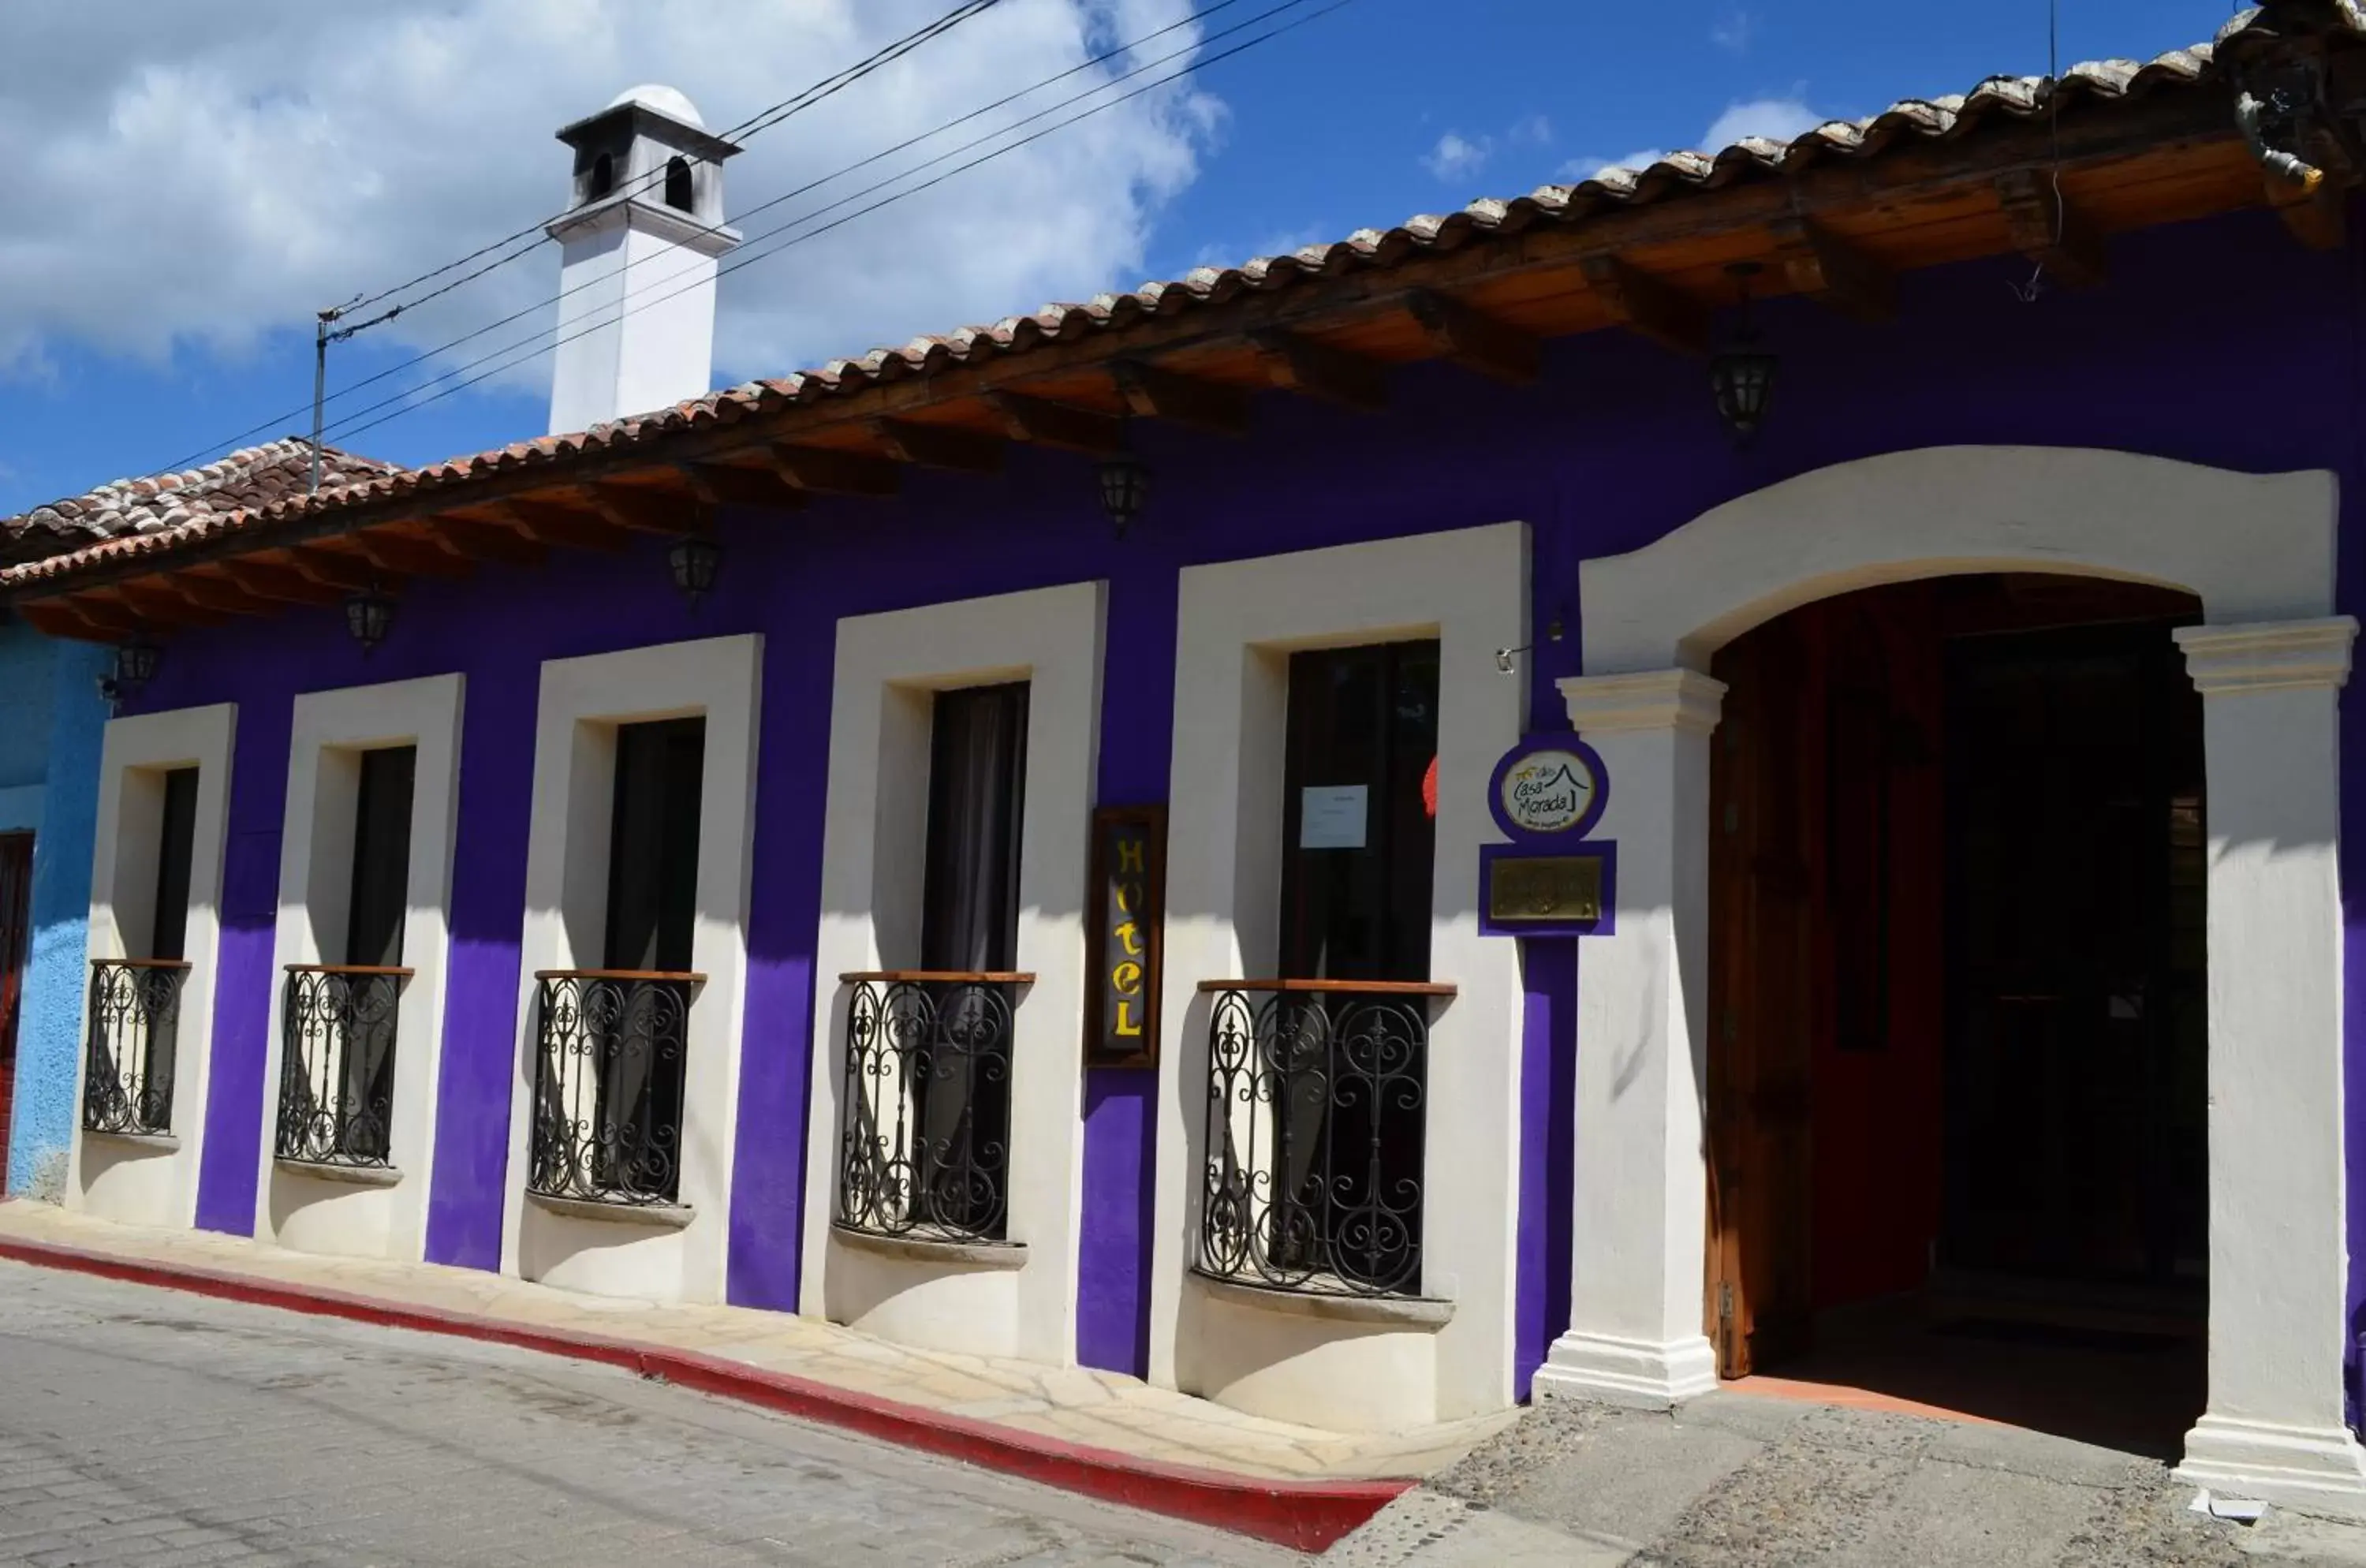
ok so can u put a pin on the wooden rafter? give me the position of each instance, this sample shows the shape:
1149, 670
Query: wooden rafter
939, 446
547, 523
718, 484
219, 594
1301, 364
636, 509
489, 541
1828, 269
1155, 393
334, 569
1065, 425
1473, 341
156, 601
281, 584
1647, 306
413, 557
826, 470
2051, 229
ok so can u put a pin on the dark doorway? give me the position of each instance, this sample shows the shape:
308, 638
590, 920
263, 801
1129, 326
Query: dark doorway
1956, 1084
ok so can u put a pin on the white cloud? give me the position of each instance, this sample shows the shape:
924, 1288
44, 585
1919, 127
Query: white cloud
186, 175
1457, 156
1777, 119
1533, 131
1733, 32
1586, 168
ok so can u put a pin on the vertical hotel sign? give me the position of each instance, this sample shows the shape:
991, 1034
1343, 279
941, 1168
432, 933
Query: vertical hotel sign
1129, 909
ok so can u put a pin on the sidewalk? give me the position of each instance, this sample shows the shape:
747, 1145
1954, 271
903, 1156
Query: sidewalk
1102, 1433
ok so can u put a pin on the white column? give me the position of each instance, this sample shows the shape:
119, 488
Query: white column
2278, 1257
1642, 1180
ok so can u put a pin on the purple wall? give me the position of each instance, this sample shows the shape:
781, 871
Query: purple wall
2220, 343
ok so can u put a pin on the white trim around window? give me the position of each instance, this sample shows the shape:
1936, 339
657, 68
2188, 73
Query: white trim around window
153, 1180
1237, 624
319, 1212
617, 1253
1017, 1300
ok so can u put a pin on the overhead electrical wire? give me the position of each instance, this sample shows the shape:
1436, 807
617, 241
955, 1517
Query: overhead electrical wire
741, 133
356, 422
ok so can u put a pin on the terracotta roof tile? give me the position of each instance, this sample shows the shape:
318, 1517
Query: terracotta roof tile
156, 529
161, 505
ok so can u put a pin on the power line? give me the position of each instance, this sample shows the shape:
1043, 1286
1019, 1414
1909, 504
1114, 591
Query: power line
746, 129
346, 422
349, 429
762, 120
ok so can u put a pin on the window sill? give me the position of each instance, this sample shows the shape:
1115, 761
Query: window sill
1399, 1312
146, 1142
351, 1175
928, 1249
655, 1216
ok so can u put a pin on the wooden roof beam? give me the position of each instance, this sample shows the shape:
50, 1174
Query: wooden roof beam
1153, 393
1475, 342
1064, 425
826, 470
1646, 305
154, 601
1301, 364
473, 540
75, 618
719, 484
947, 447
279, 584
1828, 269
545, 524
2314, 213
219, 594
635, 511
334, 569
417, 557
2050, 229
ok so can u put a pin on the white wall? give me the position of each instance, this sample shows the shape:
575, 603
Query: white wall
1238, 624
888, 669
330, 733
154, 1182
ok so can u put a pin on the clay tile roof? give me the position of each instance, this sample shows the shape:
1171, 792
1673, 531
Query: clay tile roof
2099, 84
167, 504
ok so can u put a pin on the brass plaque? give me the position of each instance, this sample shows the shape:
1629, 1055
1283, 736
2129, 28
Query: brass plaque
1545, 887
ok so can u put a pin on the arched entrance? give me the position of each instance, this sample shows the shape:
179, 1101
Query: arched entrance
1957, 1073
2269, 662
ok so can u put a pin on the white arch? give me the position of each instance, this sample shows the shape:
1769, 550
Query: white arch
2259, 552
2254, 547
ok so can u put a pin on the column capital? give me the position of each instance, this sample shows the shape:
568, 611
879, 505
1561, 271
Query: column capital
1654, 699
2268, 656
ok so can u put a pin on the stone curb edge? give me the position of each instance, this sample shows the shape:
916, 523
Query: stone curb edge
1304, 1515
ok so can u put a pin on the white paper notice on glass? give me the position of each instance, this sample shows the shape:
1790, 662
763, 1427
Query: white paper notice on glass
1331, 817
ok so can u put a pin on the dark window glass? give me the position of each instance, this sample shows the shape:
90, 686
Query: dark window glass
381, 858
653, 844
1359, 831
678, 191
176, 848
977, 790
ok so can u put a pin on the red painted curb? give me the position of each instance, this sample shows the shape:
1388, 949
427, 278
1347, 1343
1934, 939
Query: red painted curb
1307, 1515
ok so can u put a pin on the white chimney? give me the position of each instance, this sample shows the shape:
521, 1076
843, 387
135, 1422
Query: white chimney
638, 254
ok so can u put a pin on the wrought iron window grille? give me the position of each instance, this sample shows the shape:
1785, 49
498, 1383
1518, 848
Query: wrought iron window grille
612, 1047
336, 1063
1316, 1122
925, 1151
135, 1013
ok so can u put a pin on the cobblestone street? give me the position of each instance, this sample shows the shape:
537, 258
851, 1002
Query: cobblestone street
143, 1427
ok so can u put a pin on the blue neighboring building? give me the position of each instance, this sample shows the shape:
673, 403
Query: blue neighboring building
52, 716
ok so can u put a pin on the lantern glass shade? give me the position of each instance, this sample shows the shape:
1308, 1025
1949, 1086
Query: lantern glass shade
1743, 379
1125, 489
693, 562
135, 664
369, 615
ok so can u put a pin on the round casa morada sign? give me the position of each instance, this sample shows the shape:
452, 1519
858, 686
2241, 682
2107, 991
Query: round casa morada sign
1549, 789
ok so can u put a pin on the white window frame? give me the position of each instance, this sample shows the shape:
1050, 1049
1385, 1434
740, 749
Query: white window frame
683, 1256
889, 667
1237, 624
330, 733
155, 1182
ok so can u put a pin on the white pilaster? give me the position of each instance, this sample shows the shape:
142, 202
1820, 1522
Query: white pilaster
2278, 1256
1635, 1334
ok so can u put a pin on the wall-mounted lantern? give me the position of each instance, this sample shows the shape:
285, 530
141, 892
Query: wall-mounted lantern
136, 657
369, 615
694, 560
1742, 373
1125, 489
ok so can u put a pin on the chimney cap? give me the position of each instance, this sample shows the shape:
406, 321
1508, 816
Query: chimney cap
668, 101
664, 113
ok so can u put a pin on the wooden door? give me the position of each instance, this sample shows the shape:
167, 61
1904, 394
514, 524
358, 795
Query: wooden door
16, 937
1762, 995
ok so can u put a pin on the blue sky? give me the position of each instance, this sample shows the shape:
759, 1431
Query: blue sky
135, 343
